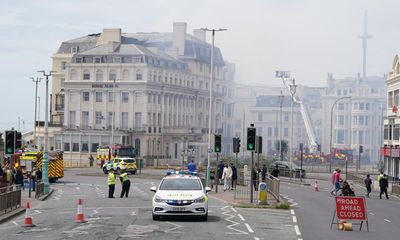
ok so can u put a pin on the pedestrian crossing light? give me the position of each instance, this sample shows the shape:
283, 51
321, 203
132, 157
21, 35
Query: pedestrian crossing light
217, 145
251, 139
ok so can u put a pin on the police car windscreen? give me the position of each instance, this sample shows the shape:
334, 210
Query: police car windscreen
180, 184
129, 160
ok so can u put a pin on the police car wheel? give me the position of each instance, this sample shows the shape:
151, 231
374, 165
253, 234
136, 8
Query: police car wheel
155, 217
104, 170
204, 218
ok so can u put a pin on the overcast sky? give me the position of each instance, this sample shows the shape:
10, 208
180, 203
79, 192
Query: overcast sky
308, 37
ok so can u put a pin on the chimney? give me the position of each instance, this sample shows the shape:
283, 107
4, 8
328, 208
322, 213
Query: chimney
199, 34
179, 37
110, 35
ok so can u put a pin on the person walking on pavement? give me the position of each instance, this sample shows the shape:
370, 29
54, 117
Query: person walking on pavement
333, 181
383, 184
254, 176
336, 180
275, 172
234, 176
368, 183
91, 160
126, 183
111, 183
19, 178
220, 170
263, 173
227, 177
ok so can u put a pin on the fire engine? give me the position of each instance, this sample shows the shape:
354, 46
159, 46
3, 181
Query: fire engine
106, 153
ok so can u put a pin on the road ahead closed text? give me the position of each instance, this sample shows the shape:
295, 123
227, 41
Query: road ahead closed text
350, 208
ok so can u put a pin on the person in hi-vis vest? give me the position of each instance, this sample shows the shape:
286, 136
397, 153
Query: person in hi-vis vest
111, 183
126, 183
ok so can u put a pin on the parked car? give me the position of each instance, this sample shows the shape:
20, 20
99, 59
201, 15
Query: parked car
284, 169
128, 164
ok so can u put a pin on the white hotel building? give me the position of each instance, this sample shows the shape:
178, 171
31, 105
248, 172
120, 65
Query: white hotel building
156, 85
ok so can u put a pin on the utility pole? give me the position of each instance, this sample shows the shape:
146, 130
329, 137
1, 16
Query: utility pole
210, 105
364, 39
281, 99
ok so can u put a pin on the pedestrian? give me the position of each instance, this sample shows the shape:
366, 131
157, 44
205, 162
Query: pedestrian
33, 178
9, 177
254, 176
337, 181
227, 177
264, 173
39, 175
91, 159
192, 166
126, 183
383, 184
19, 178
234, 176
275, 172
380, 175
220, 170
347, 190
111, 183
368, 184
333, 181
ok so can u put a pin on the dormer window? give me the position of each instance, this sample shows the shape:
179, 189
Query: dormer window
74, 49
78, 60
117, 59
97, 60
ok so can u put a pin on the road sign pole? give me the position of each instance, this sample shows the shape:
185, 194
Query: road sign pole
251, 177
216, 177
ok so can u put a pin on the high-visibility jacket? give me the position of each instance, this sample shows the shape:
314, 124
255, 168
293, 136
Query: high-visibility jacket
380, 176
124, 177
111, 178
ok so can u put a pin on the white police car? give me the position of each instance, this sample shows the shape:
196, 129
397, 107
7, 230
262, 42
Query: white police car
180, 193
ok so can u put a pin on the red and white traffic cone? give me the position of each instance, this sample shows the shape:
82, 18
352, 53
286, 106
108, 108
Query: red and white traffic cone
28, 218
316, 186
80, 218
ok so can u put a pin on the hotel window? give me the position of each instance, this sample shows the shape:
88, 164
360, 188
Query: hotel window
86, 96
260, 116
99, 118
117, 59
86, 75
85, 119
390, 99
78, 60
73, 74
124, 123
125, 97
63, 65
97, 60
139, 75
99, 96
112, 75
396, 98
110, 97
99, 75
125, 74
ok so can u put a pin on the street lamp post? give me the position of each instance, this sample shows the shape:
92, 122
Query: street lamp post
210, 105
36, 81
280, 99
113, 115
292, 93
45, 162
330, 138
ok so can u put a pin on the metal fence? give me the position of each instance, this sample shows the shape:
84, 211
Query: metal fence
39, 190
243, 191
10, 198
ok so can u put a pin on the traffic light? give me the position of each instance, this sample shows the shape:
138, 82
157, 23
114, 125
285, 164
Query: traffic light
10, 142
18, 139
361, 150
251, 139
217, 145
236, 145
259, 144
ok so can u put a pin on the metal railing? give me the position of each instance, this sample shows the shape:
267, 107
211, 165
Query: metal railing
242, 190
273, 185
39, 189
10, 198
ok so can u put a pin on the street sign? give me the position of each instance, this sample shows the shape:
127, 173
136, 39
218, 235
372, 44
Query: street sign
350, 208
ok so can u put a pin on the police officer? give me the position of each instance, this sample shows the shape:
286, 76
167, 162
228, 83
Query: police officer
126, 183
111, 183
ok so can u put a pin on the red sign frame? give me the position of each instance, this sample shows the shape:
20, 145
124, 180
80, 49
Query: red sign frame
351, 208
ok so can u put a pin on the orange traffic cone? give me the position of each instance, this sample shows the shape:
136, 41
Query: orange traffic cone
80, 218
28, 218
316, 186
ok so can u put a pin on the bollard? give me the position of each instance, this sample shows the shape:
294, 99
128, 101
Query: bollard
262, 194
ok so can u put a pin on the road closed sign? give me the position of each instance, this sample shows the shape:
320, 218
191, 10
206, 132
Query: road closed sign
350, 208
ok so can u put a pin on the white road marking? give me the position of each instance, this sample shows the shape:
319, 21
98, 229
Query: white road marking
294, 219
234, 210
296, 228
133, 213
15, 223
37, 230
387, 220
372, 213
292, 211
249, 228
256, 238
174, 228
38, 211
77, 188
241, 217
229, 218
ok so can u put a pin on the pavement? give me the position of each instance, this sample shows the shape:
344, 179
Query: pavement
33, 202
